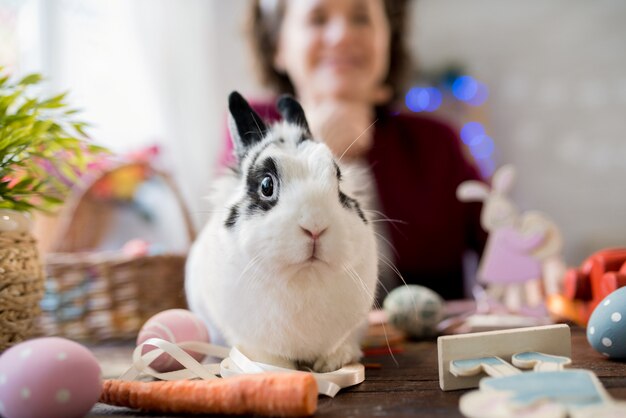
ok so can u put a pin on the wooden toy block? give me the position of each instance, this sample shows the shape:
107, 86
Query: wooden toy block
613, 280
549, 339
576, 283
600, 274
605, 261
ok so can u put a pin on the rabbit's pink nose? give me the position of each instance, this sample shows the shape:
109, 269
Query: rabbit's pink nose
313, 233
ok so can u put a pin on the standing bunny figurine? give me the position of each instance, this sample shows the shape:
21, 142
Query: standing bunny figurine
286, 268
519, 248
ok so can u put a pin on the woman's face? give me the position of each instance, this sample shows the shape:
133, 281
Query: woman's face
334, 48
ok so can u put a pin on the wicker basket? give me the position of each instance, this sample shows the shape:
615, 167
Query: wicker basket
96, 296
21, 287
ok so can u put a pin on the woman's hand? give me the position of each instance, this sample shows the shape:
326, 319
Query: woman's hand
346, 125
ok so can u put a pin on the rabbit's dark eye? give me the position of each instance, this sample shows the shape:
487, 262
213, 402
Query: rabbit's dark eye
267, 186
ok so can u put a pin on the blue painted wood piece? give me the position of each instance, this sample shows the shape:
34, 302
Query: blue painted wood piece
493, 366
548, 391
572, 388
540, 361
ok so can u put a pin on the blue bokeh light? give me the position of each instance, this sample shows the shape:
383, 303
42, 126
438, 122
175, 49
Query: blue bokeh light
481, 95
471, 130
465, 88
482, 147
435, 97
420, 99
417, 99
486, 167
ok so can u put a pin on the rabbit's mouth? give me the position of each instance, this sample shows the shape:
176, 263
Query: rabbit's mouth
312, 263
314, 259
314, 250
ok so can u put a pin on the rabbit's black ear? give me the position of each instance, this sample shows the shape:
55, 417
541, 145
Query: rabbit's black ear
246, 126
292, 112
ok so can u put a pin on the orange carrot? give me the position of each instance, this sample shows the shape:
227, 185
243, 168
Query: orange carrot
273, 394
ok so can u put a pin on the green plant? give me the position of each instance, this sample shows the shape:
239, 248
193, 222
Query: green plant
43, 150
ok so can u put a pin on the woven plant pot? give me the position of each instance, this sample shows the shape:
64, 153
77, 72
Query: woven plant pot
21, 287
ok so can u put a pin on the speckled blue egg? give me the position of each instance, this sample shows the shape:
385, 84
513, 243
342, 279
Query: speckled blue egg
606, 330
414, 309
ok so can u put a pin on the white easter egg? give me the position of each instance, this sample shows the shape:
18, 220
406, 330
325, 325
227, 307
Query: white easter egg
48, 377
414, 309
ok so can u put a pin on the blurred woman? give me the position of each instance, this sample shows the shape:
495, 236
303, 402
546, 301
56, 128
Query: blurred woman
345, 61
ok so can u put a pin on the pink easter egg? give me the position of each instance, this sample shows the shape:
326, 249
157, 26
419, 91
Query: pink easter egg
48, 377
176, 326
136, 248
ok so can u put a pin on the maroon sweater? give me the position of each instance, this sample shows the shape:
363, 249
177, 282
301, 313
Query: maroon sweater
418, 163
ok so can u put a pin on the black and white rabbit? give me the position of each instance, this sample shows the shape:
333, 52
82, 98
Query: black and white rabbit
286, 268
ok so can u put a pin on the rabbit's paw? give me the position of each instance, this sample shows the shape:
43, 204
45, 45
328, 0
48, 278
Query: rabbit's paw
345, 354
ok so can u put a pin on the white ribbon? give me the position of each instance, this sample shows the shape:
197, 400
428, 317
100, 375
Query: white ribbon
233, 363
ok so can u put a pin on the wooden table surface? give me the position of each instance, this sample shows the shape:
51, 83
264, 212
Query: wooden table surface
411, 388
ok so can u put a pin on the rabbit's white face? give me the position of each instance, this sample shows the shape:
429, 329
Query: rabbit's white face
292, 213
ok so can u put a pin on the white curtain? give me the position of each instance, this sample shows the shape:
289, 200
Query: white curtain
142, 71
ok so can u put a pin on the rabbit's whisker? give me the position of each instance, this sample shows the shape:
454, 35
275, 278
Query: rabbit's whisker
383, 238
384, 288
357, 279
248, 266
257, 125
352, 273
382, 217
211, 211
357, 138
256, 278
389, 264
391, 221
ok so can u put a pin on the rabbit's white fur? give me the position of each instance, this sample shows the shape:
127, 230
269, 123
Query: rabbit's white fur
252, 282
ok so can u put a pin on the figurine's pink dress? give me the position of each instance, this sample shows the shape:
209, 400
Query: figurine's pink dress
507, 257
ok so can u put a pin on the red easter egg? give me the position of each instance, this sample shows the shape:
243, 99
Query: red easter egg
176, 326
